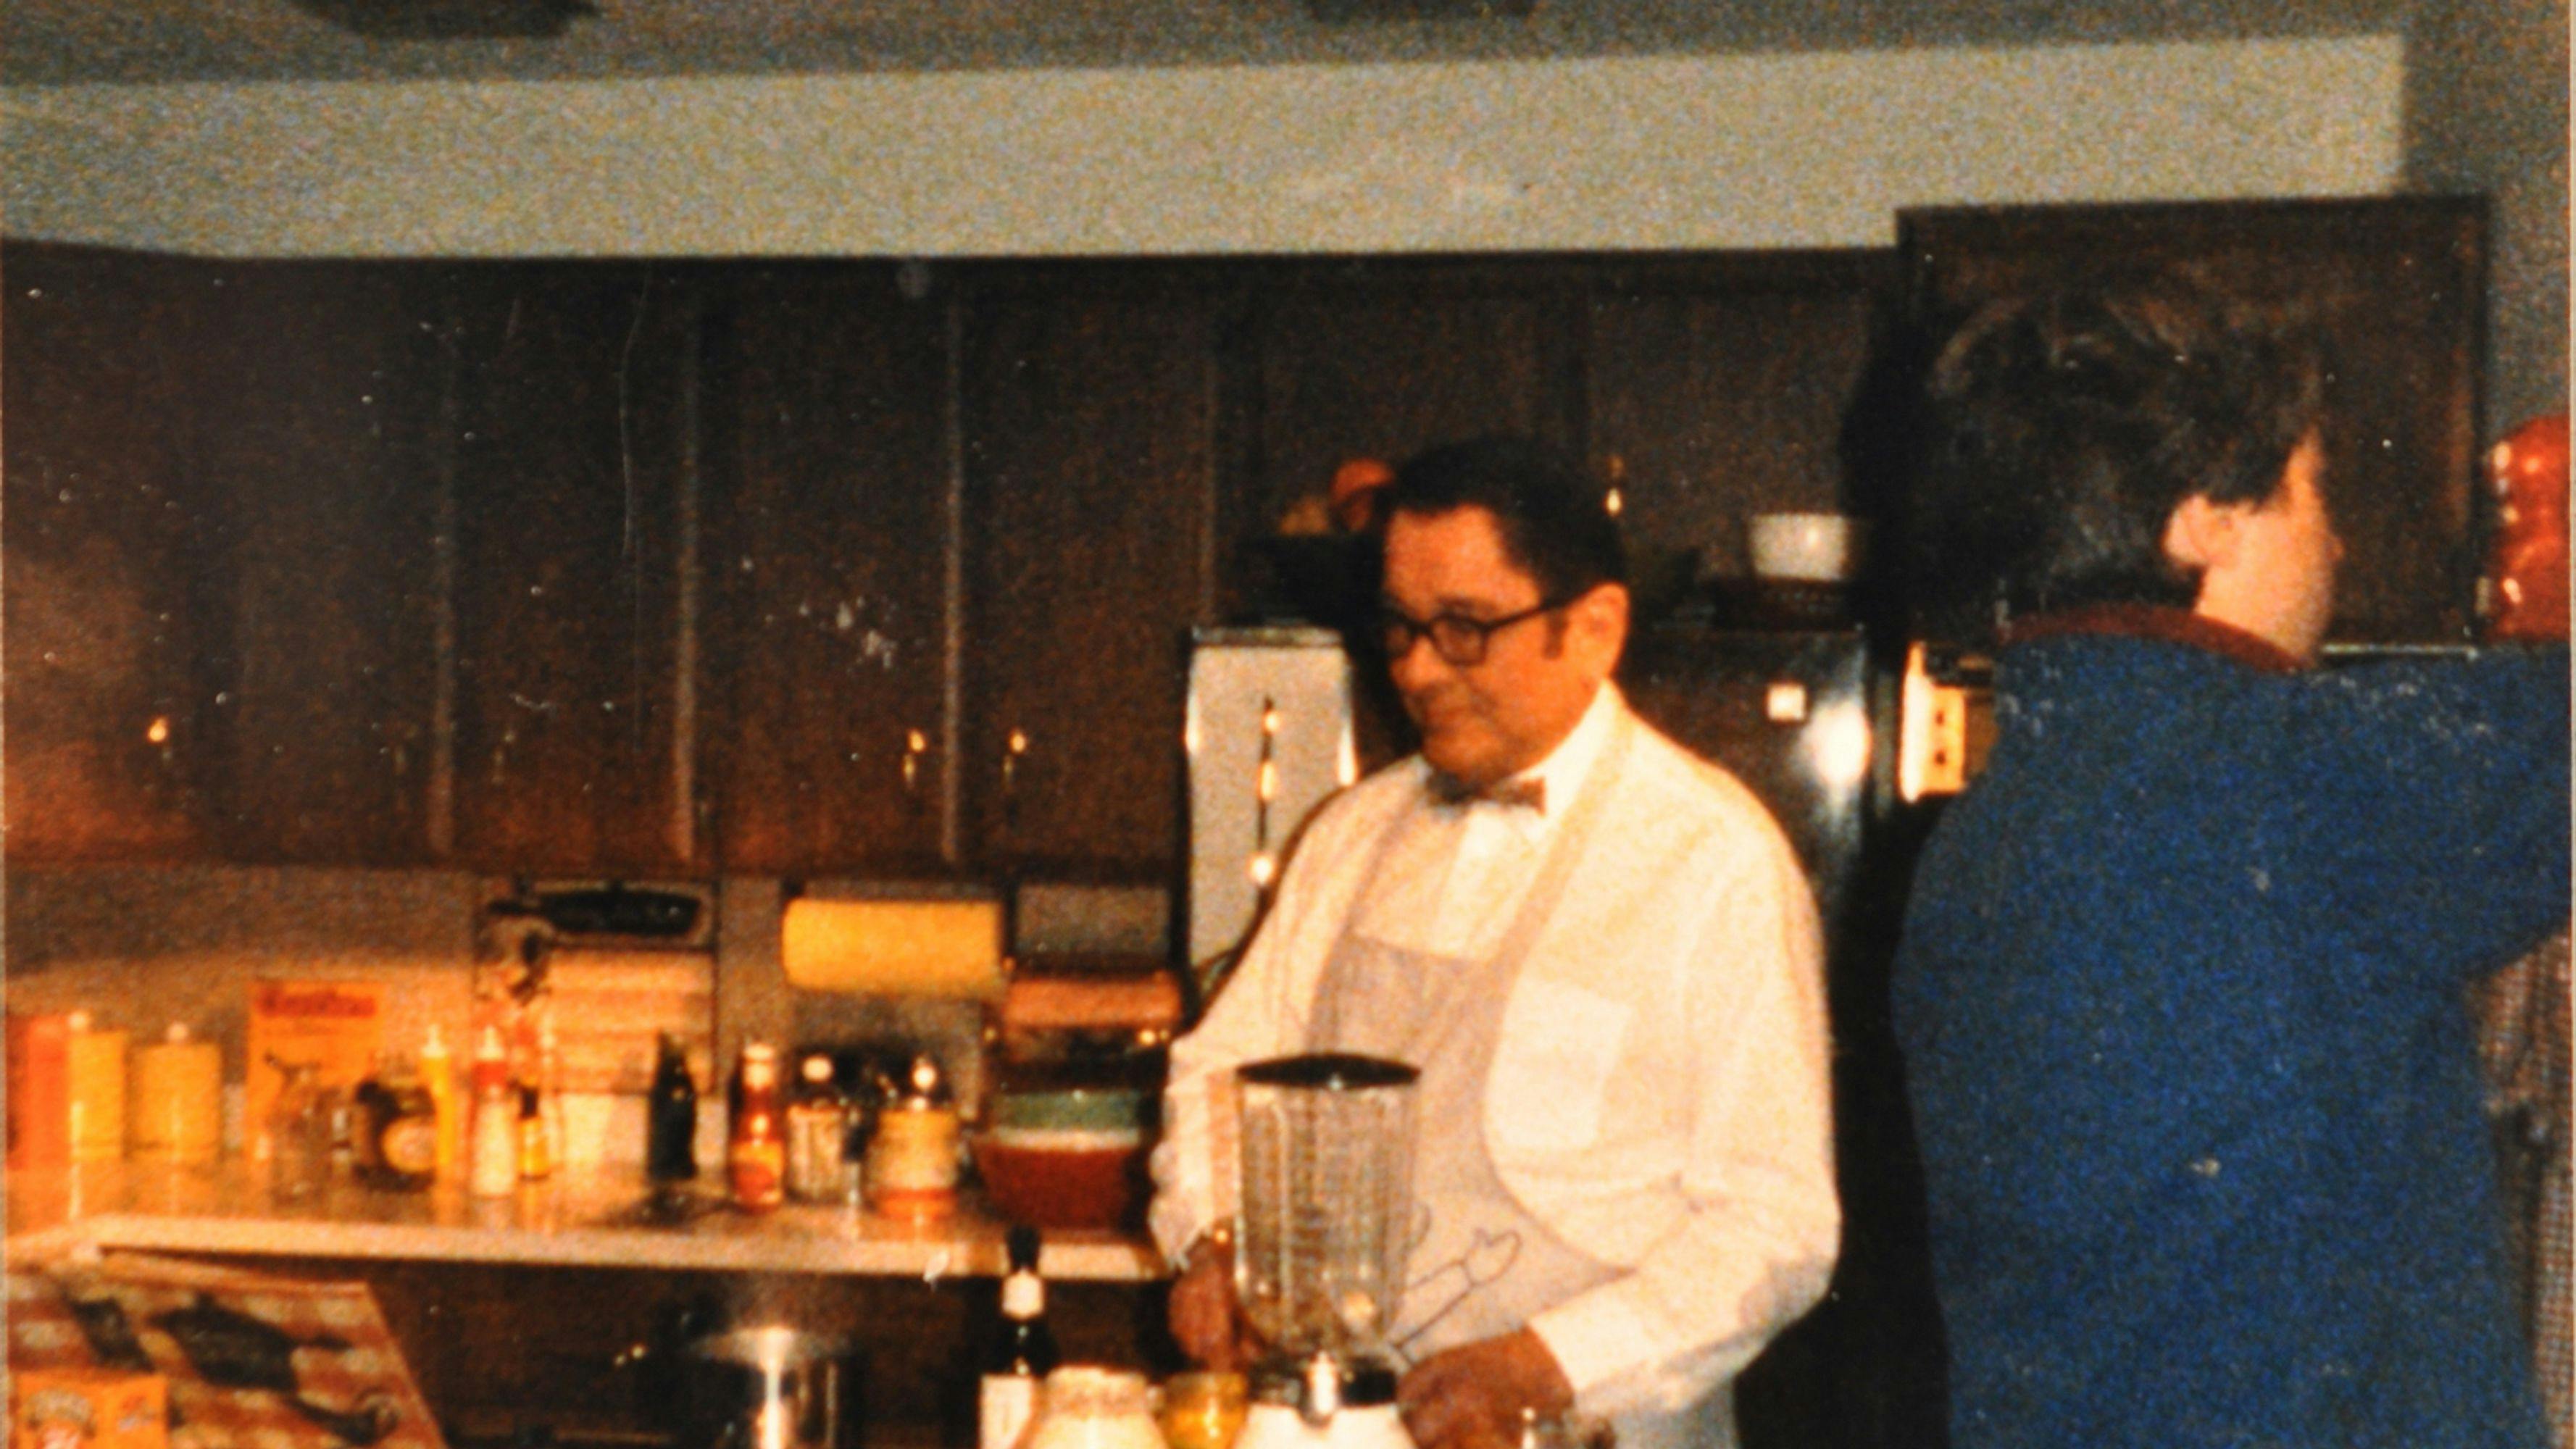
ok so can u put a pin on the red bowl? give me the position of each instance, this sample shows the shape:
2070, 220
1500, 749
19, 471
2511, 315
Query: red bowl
1051, 1178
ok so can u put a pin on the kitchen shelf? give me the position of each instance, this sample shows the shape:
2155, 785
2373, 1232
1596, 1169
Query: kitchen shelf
575, 1219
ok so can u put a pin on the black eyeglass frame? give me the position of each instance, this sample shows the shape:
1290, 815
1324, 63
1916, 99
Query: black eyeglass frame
1470, 639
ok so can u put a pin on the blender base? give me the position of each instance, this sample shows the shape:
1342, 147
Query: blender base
1280, 1426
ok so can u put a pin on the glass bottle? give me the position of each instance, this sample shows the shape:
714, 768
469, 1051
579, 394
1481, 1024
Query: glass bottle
671, 1116
756, 1155
1023, 1353
817, 1131
299, 1133
493, 1170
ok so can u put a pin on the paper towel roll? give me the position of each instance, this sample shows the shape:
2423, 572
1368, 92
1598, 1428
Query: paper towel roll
937, 948
97, 1070
174, 1102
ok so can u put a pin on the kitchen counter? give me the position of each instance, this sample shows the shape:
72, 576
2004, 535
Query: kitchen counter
595, 1218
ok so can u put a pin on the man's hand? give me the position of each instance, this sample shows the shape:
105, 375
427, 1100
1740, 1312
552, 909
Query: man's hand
1205, 1320
1471, 1396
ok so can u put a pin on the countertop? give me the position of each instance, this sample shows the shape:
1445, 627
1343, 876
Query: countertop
591, 1218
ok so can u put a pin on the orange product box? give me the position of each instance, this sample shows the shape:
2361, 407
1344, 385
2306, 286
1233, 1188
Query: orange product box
39, 1086
88, 1408
336, 1025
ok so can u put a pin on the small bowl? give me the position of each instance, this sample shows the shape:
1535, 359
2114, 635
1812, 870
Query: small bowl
1820, 548
1084, 1108
1064, 1178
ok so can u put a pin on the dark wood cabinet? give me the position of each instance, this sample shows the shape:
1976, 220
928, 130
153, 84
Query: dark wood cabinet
1715, 389
1090, 548
111, 642
1383, 359
323, 387
830, 540
2395, 290
833, 567
577, 565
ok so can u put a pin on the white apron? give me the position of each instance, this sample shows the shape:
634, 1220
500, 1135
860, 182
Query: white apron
1480, 1265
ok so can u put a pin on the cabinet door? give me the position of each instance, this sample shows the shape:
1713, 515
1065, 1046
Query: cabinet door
1717, 391
829, 544
1385, 360
576, 690
1090, 545
323, 384
2395, 287
107, 631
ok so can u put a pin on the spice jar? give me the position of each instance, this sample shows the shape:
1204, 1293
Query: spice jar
397, 1128
817, 1133
912, 1159
299, 1132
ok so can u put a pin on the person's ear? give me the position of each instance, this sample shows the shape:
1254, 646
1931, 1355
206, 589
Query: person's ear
1600, 618
2202, 535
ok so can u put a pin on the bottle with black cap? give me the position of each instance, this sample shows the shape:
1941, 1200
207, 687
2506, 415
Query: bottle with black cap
1023, 1353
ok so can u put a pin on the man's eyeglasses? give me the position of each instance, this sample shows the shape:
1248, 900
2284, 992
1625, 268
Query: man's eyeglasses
1456, 638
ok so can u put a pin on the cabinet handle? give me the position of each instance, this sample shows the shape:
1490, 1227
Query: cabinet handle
1012, 749
915, 745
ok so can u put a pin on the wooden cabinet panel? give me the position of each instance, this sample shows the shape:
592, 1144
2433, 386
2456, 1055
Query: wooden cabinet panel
323, 384
575, 731
829, 544
1718, 392
1385, 361
2394, 286
1090, 541
106, 628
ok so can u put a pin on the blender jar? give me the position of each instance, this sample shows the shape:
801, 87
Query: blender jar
1327, 1160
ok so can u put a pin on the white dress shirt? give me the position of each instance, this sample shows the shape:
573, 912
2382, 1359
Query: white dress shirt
1659, 1091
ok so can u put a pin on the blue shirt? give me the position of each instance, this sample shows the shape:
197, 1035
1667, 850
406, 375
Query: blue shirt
2180, 996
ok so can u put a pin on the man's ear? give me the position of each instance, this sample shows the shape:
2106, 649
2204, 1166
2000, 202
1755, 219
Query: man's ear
2201, 535
1602, 616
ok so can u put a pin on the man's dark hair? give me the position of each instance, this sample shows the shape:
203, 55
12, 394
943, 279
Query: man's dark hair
2063, 429
1555, 526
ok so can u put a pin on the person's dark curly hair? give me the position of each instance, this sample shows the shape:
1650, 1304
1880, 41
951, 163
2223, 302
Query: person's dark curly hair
2062, 429
1555, 526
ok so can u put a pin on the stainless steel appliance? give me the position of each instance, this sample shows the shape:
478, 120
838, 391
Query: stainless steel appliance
770, 1387
1268, 735
1326, 1208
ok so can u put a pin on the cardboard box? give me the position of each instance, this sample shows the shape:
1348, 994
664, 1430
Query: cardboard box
88, 1408
336, 1025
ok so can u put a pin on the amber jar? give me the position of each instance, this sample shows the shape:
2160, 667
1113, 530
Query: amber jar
756, 1150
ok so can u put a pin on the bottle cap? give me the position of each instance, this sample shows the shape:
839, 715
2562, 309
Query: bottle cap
817, 1068
79, 1021
433, 1044
177, 1035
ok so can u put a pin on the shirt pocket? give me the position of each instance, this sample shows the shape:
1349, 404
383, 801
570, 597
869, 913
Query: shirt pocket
1552, 1065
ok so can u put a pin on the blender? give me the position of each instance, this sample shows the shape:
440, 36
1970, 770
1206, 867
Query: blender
1327, 1193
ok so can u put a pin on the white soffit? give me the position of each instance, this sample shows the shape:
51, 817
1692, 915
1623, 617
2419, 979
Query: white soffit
1780, 150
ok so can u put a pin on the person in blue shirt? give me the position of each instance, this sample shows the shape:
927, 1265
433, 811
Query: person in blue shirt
2180, 990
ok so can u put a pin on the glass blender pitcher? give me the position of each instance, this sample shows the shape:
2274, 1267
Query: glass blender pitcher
1327, 1195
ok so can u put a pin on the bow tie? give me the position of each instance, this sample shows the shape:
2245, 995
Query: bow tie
1449, 791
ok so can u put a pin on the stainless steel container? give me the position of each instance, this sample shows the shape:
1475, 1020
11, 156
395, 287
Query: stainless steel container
771, 1387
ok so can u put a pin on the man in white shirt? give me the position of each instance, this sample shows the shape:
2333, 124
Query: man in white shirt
1604, 958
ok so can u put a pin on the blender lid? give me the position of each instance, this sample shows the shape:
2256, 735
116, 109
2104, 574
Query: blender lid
1331, 1071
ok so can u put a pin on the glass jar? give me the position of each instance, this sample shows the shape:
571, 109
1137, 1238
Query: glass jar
299, 1133
1086, 1407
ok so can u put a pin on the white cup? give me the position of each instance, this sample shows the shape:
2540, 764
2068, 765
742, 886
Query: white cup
1804, 547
